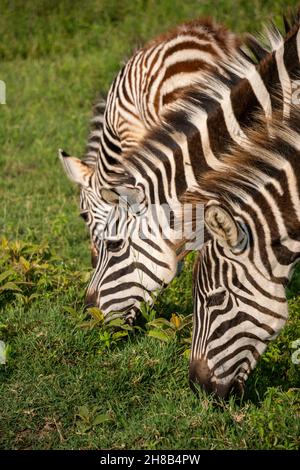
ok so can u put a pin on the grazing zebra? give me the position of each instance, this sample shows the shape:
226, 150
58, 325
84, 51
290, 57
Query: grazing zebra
252, 210
172, 159
150, 81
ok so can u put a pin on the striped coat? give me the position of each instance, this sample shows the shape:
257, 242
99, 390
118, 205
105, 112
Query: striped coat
155, 77
173, 158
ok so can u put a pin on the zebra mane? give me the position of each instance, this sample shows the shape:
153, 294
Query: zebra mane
206, 24
93, 144
213, 92
256, 54
259, 46
96, 123
248, 168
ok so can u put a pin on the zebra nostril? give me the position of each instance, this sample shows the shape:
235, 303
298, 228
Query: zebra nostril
86, 306
199, 373
91, 300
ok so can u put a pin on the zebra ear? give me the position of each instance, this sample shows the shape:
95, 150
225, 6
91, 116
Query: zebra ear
225, 228
123, 195
77, 171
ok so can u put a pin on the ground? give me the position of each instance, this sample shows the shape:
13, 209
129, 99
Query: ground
69, 383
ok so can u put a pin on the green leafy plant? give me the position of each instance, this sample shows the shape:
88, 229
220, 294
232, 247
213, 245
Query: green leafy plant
29, 271
165, 330
87, 419
110, 332
148, 312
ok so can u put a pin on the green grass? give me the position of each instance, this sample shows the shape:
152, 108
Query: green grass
60, 387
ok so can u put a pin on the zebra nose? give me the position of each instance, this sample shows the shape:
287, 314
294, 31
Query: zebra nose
200, 374
91, 299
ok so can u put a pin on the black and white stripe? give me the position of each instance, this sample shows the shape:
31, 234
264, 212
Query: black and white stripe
239, 294
215, 114
154, 78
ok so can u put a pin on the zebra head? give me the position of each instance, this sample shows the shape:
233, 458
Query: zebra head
242, 272
135, 260
132, 258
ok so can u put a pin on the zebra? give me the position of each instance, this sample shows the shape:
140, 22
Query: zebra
252, 210
173, 158
146, 86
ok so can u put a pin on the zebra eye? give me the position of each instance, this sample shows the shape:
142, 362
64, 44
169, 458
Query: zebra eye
216, 299
114, 245
84, 215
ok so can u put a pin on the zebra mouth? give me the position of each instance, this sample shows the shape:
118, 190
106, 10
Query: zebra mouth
127, 313
201, 375
238, 388
220, 392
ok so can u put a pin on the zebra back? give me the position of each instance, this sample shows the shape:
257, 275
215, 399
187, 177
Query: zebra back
155, 77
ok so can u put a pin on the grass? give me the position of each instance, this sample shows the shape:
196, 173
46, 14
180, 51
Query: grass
67, 383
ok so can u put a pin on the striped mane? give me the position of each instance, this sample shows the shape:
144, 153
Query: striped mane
259, 162
210, 102
96, 126
211, 82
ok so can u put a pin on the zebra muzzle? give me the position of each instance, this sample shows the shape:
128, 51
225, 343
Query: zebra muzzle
201, 375
91, 300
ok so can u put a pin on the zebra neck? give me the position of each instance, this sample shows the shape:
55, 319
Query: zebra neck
203, 125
